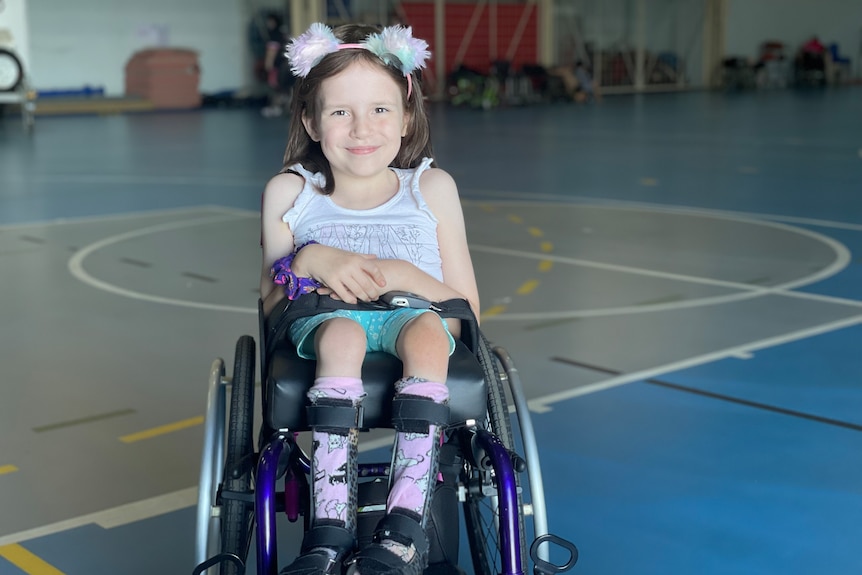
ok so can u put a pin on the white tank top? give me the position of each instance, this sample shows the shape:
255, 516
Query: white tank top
402, 228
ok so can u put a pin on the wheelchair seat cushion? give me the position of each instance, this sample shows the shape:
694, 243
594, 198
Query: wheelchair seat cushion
289, 378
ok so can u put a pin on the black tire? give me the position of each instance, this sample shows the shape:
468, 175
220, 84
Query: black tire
480, 516
11, 71
236, 515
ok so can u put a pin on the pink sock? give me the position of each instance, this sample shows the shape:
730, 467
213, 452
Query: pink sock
332, 387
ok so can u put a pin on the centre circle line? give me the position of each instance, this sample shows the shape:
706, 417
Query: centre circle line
843, 258
76, 265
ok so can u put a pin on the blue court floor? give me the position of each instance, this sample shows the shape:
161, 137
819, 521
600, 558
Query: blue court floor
678, 278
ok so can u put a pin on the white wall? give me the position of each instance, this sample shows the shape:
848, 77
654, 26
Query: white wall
750, 22
14, 29
88, 42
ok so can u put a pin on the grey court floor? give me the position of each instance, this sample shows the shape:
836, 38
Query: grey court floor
677, 277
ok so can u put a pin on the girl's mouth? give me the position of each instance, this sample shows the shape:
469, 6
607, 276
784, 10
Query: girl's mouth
362, 151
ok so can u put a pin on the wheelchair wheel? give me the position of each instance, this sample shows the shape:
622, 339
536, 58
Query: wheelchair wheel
480, 507
11, 71
236, 514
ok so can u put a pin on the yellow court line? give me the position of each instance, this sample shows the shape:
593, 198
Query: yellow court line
492, 311
547, 247
546, 265
527, 287
536, 232
26, 561
163, 429
4, 469
515, 219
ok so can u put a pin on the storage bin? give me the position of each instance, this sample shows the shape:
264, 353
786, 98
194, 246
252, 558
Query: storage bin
166, 77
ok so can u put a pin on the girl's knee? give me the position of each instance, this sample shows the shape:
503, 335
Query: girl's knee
425, 331
340, 336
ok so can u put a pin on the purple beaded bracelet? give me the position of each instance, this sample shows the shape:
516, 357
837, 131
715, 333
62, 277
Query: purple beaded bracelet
283, 275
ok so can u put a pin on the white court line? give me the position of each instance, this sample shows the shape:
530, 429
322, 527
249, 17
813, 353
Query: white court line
102, 218
843, 257
113, 517
76, 265
542, 404
188, 497
128, 179
520, 198
137, 510
748, 291
184, 498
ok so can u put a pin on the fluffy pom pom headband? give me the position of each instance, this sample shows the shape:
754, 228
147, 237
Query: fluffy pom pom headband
394, 45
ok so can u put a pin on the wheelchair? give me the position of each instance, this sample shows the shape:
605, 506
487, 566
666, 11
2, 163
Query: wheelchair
243, 490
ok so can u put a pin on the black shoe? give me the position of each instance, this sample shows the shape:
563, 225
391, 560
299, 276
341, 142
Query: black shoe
324, 550
404, 528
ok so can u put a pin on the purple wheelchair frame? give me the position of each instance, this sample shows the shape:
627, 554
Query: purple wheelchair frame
265, 500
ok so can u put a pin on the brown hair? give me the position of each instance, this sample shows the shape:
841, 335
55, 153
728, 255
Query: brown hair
305, 102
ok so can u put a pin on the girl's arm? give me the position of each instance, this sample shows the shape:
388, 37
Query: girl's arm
276, 237
350, 276
459, 280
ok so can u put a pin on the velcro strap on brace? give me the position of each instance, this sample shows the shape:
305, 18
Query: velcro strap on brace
332, 536
403, 527
413, 414
334, 415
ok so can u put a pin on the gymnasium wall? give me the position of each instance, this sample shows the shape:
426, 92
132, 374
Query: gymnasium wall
90, 41
792, 22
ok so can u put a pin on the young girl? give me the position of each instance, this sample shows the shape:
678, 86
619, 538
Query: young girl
358, 211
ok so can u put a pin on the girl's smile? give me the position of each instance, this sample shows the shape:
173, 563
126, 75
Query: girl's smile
362, 151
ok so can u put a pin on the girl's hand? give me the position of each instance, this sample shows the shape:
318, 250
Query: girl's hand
348, 276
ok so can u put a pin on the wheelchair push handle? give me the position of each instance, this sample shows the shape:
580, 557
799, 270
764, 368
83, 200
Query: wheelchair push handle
542, 567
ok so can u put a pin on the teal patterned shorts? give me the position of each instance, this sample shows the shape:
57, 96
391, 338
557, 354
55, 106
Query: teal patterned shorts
381, 328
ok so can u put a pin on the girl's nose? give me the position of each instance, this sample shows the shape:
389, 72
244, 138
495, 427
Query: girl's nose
360, 126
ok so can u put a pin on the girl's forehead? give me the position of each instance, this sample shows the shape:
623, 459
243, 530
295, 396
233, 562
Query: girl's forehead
360, 80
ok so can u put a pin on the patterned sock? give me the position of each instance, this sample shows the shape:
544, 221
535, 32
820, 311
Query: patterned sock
334, 470
415, 463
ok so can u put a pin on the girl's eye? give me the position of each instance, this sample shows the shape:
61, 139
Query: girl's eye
381, 110
339, 113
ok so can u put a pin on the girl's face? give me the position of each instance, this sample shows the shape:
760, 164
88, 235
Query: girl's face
361, 123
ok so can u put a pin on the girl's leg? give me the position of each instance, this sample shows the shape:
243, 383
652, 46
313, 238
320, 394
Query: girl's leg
335, 398
423, 346
340, 346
